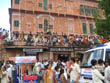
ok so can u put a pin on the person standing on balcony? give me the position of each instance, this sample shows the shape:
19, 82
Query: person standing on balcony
29, 39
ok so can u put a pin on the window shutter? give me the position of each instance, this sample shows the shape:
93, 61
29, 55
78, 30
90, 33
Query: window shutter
93, 11
16, 23
84, 28
45, 25
40, 25
45, 4
16, 1
97, 10
50, 6
87, 10
40, 4
81, 10
91, 28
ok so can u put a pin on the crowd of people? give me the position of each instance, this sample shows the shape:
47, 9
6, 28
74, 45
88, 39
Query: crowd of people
7, 72
70, 71
101, 71
54, 39
47, 71
56, 71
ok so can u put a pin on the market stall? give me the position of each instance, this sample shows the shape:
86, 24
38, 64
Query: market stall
25, 69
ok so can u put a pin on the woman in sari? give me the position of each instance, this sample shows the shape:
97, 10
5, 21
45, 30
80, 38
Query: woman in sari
49, 75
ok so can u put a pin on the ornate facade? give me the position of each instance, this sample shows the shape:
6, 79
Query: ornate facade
61, 16
74, 17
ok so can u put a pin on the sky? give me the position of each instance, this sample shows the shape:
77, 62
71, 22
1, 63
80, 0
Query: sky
4, 13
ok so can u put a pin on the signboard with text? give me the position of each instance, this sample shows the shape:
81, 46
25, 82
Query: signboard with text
28, 59
32, 51
61, 49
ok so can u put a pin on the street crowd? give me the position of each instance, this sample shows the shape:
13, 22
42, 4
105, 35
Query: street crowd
55, 39
7, 72
56, 71
70, 71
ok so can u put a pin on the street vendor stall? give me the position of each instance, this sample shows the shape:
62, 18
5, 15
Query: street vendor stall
25, 69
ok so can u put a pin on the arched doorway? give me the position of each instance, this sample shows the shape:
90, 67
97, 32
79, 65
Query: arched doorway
47, 22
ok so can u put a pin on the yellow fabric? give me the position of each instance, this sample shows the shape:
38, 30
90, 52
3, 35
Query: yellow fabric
49, 76
100, 41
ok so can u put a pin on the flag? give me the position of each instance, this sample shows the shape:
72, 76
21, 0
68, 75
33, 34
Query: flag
99, 41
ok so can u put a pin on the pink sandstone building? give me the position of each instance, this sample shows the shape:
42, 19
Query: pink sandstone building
58, 16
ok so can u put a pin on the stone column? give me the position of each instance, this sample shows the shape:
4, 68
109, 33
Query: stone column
51, 56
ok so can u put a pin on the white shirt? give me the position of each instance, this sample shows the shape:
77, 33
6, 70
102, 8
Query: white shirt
106, 73
9, 72
46, 63
38, 67
65, 74
97, 76
63, 64
75, 71
55, 64
42, 65
11, 65
37, 64
5, 78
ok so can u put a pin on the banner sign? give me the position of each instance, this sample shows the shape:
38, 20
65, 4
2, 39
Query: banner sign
28, 59
12, 58
61, 49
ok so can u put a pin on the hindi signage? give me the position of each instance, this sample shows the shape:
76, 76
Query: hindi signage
24, 59
32, 51
61, 49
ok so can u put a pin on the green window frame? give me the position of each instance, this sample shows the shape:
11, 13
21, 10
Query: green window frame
16, 23
40, 25
91, 28
98, 10
45, 25
87, 10
40, 4
50, 6
93, 11
16, 1
45, 4
84, 28
90, 11
81, 9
